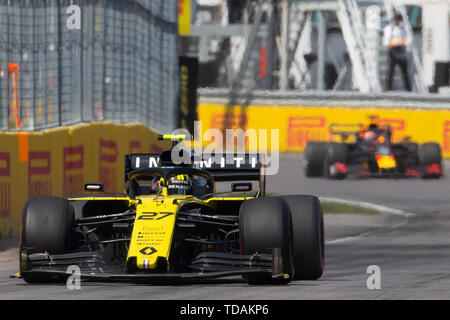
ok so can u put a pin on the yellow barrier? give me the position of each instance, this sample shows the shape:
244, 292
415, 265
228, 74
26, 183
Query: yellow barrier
298, 125
58, 161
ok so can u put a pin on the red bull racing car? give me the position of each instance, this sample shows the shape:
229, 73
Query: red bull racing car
370, 152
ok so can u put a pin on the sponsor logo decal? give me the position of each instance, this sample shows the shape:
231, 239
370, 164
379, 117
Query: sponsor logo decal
148, 251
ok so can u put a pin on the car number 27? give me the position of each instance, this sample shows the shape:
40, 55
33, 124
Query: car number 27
154, 215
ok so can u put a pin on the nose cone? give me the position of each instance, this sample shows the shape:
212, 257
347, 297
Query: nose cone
386, 162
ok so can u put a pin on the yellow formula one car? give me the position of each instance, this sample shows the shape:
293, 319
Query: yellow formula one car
171, 224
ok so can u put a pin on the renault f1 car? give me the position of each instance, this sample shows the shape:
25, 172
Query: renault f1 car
370, 152
171, 224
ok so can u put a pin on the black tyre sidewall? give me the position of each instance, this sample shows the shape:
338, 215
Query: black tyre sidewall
266, 223
430, 153
315, 154
336, 152
308, 236
46, 227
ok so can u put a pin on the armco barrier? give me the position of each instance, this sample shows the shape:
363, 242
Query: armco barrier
299, 124
58, 161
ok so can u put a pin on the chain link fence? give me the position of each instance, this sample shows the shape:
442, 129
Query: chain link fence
120, 66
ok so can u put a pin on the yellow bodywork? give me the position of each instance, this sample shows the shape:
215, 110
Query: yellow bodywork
153, 229
154, 224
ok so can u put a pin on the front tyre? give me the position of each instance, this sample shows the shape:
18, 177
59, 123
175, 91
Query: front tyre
430, 157
336, 161
308, 236
266, 223
46, 227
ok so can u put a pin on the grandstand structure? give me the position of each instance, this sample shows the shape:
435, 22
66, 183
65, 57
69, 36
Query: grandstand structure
314, 45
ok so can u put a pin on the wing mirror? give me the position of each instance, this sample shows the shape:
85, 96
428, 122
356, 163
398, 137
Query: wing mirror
93, 186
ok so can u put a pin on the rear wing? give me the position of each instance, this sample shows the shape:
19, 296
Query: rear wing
344, 128
345, 131
232, 167
140, 160
226, 167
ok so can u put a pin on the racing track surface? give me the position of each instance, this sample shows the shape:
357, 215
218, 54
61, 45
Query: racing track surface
413, 253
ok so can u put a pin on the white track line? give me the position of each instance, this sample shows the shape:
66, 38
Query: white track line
347, 239
367, 205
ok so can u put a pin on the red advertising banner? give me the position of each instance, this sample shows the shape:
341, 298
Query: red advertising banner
39, 174
109, 152
73, 164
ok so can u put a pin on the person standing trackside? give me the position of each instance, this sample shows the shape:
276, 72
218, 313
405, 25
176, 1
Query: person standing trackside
397, 40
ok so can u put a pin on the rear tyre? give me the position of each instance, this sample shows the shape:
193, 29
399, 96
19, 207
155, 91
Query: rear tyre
315, 153
308, 236
46, 227
430, 154
336, 153
266, 223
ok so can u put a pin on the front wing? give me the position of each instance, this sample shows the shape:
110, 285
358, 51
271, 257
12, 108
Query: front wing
207, 265
340, 170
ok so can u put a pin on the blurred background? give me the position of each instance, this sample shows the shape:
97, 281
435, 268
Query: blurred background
316, 45
122, 65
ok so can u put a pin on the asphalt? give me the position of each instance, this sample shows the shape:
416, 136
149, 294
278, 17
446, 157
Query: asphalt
412, 251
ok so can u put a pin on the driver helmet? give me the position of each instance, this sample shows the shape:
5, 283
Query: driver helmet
369, 135
179, 185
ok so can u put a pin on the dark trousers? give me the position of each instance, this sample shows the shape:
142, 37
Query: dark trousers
397, 56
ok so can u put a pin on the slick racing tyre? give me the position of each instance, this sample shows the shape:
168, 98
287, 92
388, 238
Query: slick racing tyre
315, 153
46, 227
336, 153
430, 154
308, 236
266, 223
